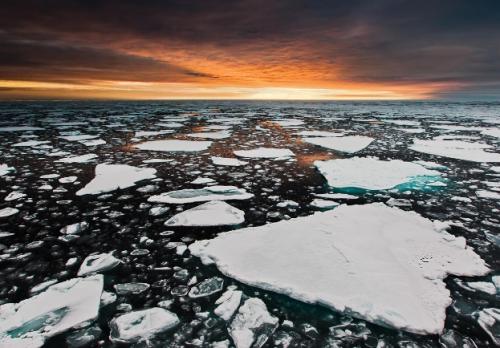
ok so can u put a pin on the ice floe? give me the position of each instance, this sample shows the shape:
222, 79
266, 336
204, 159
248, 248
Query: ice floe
265, 152
462, 150
223, 161
111, 177
98, 263
370, 173
59, 308
349, 144
227, 304
210, 193
78, 159
8, 211
174, 145
211, 135
216, 213
20, 129
387, 268
5, 169
141, 325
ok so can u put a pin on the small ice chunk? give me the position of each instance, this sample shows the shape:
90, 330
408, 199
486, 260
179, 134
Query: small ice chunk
202, 181
207, 287
141, 325
371, 173
348, 144
75, 228
323, 204
265, 152
31, 143
111, 177
14, 195
253, 325
489, 320
223, 161
174, 145
211, 135
228, 303
215, 213
98, 263
131, 288
20, 129
5, 169
210, 193
335, 196
78, 159
8, 211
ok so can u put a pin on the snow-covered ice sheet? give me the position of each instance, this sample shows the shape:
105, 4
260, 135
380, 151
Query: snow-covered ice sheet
462, 150
348, 144
111, 177
174, 145
215, 213
387, 268
210, 193
370, 173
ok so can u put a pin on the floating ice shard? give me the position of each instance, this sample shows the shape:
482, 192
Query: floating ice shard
349, 144
211, 193
5, 169
216, 213
141, 325
372, 174
386, 268
8, 211
59, 308
223, 161
78, 137
131, 288
211, 135
78, 159
265, 152
14, 195
207, 287
93, 142
174, 145
492, 132
140, 134
75, 228
462, 150
20, 129
489, 320
111, 177
323, 204
202, 181
31, 143
320, 134
253, 325
228, 303
98, 263
289, 122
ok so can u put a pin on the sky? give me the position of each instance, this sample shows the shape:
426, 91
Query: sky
251, 49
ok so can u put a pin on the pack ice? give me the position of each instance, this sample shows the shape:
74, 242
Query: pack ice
387, 268
111, 177
59, 308
370, 173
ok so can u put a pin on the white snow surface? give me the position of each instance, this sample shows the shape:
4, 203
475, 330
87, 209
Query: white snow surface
215, 213
226, 161
387, 268
462, 150
172, 145
209, 193
265, 152
349, 144
111, 177
370, 173
59, 308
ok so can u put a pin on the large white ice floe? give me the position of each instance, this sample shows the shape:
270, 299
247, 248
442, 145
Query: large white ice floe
141, 325
462, 150
215, 213
111, 177
59, 308
370, 173
265, 152
386, 267
349, 144
226, 161
252, 325
210, 193
174, 145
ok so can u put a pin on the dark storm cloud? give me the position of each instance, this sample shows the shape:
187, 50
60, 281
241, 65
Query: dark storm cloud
369, 41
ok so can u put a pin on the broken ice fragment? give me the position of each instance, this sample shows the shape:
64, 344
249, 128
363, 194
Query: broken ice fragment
131, 288
98, 263
216, 213
228, 303
211, 193
141, 325
348, 144
339, 264
75, 228
78, 159
174, 145
6, 212
207, 287
253, 325
111, 177
489, 320
223, 161
265, 152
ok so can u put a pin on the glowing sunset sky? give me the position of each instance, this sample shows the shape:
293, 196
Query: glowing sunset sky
253, 49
